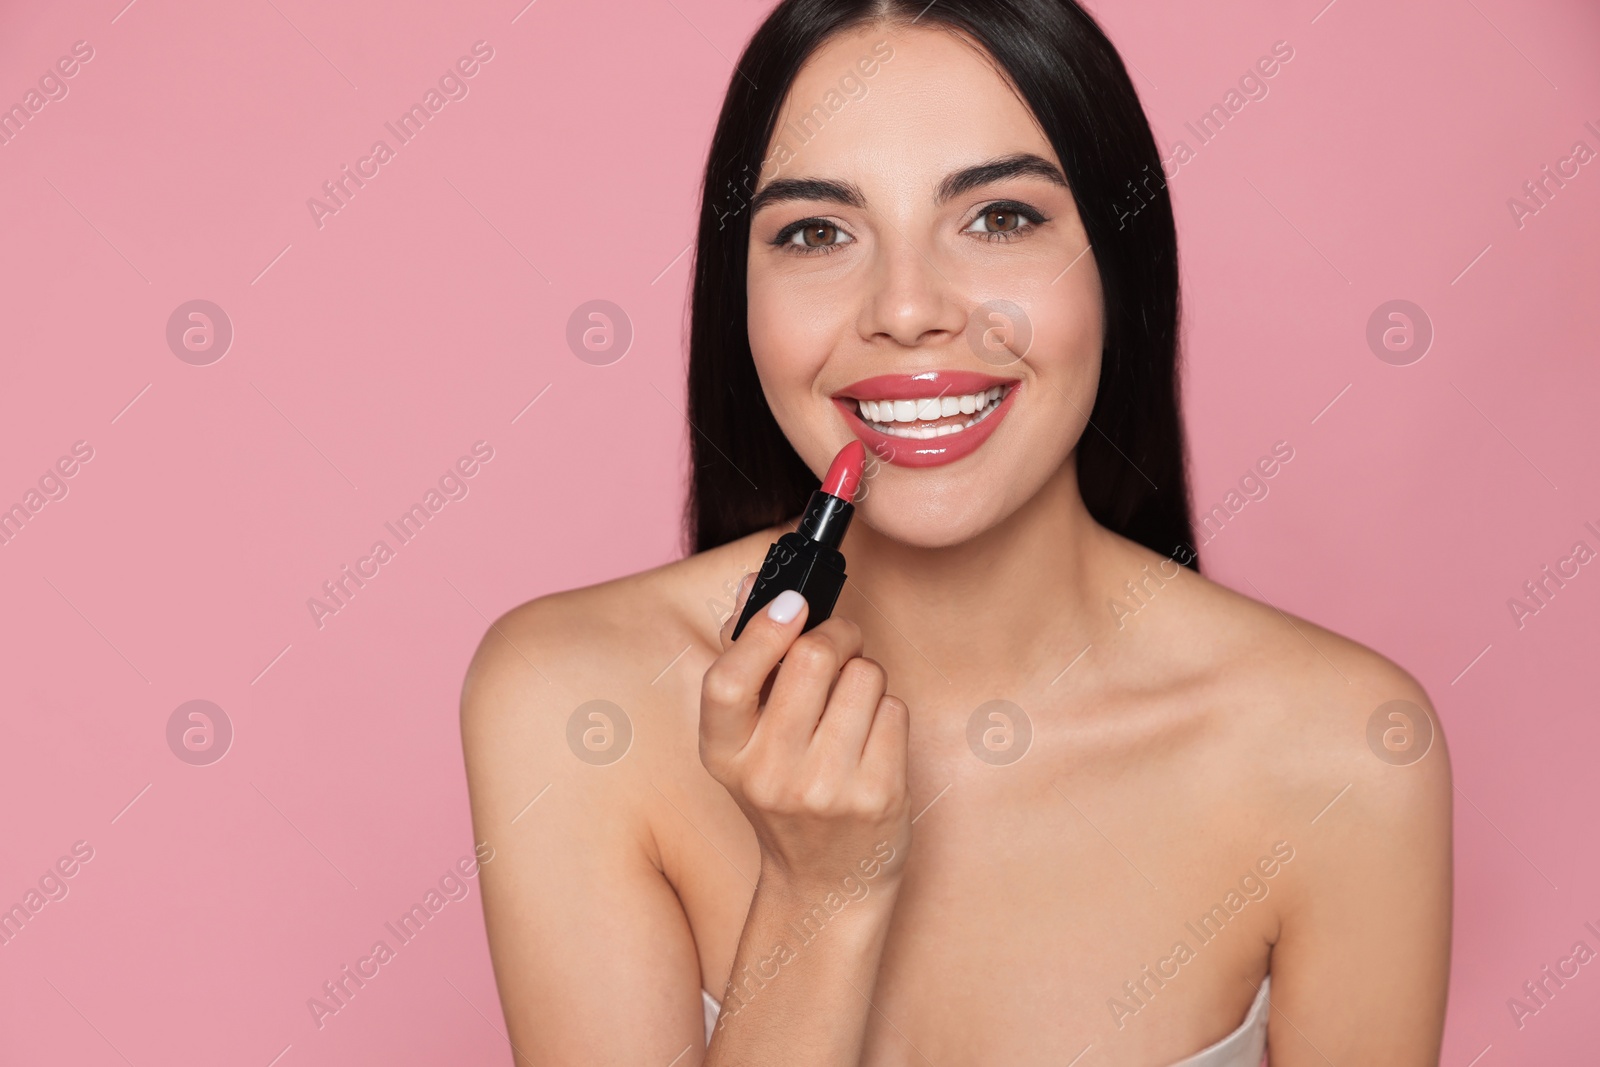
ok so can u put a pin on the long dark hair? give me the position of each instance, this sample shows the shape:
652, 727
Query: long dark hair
1132, 473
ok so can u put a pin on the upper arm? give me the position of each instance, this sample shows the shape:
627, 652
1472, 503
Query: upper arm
593, 956
1361, 969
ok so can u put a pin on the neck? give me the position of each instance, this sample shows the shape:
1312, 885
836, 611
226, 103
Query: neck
1020, 599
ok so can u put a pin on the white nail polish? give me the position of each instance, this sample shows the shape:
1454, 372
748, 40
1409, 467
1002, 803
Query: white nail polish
785, 606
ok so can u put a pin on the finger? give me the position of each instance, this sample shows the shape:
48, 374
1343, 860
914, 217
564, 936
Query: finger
847, 720
800, 692
731, 688
743, 594
884, 755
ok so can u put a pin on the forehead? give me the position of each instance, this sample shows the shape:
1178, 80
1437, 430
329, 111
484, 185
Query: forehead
936, 104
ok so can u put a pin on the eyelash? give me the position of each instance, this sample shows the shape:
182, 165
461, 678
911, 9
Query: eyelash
785, 238
1010, 207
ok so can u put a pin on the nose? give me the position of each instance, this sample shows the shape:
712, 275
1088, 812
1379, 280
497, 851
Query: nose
909, 299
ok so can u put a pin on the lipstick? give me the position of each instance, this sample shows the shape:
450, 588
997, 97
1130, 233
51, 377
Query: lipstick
807, 559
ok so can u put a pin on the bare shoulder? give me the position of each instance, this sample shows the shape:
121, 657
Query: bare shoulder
1332, 705
579, 713
598, 672
606, 640
1340, 747
1306, 718
1334, 752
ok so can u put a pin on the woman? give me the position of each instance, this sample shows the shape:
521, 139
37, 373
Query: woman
1137, 794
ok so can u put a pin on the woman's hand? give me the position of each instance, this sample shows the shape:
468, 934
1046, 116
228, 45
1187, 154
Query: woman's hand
817, 761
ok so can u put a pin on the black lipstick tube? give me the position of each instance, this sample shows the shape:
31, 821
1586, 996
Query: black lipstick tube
806, 560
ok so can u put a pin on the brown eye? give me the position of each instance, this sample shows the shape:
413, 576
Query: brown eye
1005, 220
818, 235
1001, 221
812, 236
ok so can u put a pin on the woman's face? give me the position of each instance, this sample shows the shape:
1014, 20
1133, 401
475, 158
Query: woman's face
915, 251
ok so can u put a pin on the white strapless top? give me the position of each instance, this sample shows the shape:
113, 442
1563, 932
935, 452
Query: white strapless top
1245, 1047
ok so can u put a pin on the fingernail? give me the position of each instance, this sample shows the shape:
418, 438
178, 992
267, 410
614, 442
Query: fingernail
785, 606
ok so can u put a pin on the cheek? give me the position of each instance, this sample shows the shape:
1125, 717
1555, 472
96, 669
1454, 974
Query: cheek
792, 334
1069, 315
1059, 291
1063, 360
1067, 340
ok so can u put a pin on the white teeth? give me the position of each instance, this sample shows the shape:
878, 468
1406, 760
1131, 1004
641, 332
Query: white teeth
928, 408
883, 414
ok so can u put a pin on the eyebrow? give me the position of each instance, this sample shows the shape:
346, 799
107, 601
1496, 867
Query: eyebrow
1022, 164
782, 190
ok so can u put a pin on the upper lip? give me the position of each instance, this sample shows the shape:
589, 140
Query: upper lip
921, 385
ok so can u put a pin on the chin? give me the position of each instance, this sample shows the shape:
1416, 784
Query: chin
922, 523
943, 507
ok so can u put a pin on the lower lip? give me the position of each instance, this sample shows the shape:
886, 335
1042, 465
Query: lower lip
932, 452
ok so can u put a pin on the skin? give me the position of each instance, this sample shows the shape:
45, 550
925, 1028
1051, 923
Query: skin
1167, 761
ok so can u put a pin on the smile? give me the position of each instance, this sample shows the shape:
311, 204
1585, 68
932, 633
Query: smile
926, 419
929, 417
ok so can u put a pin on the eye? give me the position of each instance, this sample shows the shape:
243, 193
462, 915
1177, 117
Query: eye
1005, 220
811, 237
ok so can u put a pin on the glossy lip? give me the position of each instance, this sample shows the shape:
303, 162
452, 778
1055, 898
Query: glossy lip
935, 451
923, 385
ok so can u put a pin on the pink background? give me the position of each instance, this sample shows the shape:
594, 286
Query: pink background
370, 353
